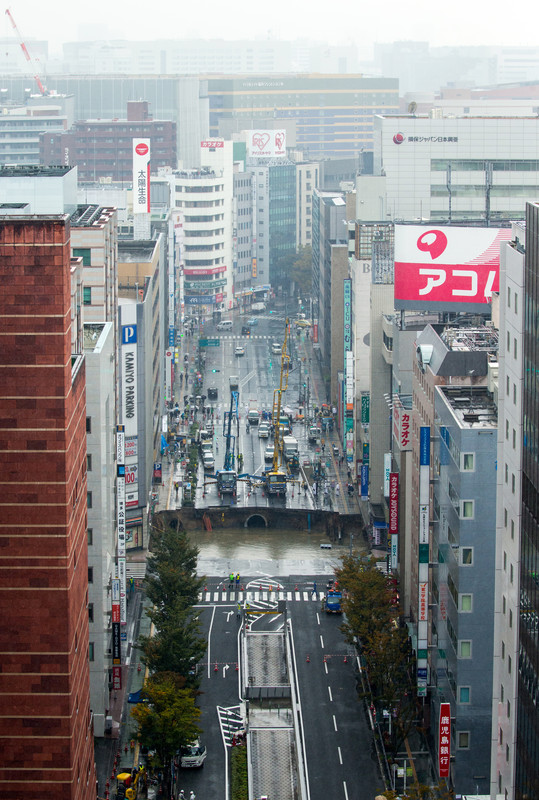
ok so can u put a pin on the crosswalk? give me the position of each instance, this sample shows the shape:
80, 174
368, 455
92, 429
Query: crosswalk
230, 722
258, 597
234, 336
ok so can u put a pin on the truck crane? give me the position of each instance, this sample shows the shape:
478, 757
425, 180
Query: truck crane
275, 477
42, 90
227, 477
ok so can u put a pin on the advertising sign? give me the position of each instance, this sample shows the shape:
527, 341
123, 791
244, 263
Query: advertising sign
364, 481
394, 552
387, 470
444, 740
266, 144
347, 314
447, 268
315, 331
120, 513
116, 643
129, 369
423, 601
423, 524
130, 446
394, 503
212, 144
122, 575
365, 407
141, 176
116, 678
254, 268
349, 397
402, 423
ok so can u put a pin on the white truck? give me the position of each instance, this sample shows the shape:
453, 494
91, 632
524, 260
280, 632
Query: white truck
258, 308
290, 447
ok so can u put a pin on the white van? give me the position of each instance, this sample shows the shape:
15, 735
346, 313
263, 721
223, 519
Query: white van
225, 325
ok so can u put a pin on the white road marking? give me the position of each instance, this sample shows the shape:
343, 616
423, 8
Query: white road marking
345, 790
340, 755
335, 723
330, 695
321, 642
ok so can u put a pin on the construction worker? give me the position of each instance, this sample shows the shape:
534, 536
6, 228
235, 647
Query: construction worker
237, 580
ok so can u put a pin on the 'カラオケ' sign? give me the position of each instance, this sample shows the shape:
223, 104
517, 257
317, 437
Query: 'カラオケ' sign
443, 267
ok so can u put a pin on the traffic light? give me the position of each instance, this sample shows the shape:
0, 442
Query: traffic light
216, 370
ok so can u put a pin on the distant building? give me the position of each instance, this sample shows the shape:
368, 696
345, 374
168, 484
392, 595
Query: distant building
334, 114
102, 149
22, 125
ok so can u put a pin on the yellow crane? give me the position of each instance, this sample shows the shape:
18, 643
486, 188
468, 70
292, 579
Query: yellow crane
275, 478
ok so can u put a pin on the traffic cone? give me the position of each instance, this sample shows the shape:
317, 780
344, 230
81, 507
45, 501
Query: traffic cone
242, 587
325, 660
237, 668
345, 660
271, 588
216, 668
308, 659
296, 589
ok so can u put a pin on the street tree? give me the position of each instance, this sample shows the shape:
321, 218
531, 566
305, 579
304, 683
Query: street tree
171, 576
177, 645
167, 718
367, 602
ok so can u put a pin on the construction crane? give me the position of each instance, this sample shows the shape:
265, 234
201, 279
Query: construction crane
275, 477
227, 477
42, 89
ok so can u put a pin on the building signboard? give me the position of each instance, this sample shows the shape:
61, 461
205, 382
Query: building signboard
364, 481
387, 470
266, 144
141, 176
447, 268
365, 407
444, 740
402, 425
394, 503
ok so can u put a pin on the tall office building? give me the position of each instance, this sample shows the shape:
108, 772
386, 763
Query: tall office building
46, 725
515, 729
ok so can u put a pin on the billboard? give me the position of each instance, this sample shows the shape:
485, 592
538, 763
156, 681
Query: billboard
447, 268
141, 176
444, 740
266, 144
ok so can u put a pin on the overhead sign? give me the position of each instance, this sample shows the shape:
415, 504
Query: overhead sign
447, 268
141, 176
266, 144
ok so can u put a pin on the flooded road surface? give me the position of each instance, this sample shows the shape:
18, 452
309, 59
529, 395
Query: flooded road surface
270, 552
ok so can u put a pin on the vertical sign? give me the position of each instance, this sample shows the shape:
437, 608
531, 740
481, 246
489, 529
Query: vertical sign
387, 470
120, 519
141, 176
365, 408
116, 646
394, 518
444, 740
423, 565
364, 481
347, 315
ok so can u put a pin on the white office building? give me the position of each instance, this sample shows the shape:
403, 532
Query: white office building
457, 168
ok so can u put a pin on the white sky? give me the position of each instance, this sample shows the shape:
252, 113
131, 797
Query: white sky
440, 22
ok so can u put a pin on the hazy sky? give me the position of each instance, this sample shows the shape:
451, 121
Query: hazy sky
441, 22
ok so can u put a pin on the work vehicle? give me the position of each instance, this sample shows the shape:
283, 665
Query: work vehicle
284, 424
332, 601
275, 476
224, 325
336, 451
258, 308
253, 417
290, 447
227, 477
314, 434
193, 755
129, 782
263, 430
212, 393
239, 351
268, 452
206, 446
234, 383
208, 461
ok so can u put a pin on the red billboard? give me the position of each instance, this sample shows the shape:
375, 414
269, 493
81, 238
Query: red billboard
444, 740
447, 268
393, 502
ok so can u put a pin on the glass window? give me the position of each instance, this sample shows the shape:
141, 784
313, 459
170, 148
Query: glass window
467, 509
90, 612
89, 500
85, 253
91, 651
465, 648
90, 574
466, 556
468, 464
463, 740
465, 694
88, 424
90, 534
88, 462
87, 296
465, 602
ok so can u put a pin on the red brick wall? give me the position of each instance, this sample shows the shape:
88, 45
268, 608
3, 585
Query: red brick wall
46, 743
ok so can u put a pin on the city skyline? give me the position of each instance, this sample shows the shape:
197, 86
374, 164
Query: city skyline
134, 21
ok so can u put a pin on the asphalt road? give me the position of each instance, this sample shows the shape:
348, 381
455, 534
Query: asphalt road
338, 741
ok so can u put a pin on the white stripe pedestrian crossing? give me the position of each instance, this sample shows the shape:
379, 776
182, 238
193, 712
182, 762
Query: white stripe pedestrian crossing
262, 598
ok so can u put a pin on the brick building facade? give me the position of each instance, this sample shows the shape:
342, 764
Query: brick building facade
46, 732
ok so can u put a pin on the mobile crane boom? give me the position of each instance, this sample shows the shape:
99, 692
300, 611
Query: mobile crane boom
42, 89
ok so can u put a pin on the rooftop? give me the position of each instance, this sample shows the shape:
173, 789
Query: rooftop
21, 171
481, 338
473, 406
90, 214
